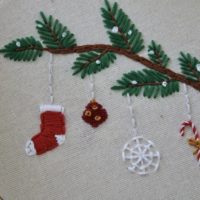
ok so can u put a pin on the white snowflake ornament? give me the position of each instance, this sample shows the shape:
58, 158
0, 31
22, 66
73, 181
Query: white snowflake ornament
141, 155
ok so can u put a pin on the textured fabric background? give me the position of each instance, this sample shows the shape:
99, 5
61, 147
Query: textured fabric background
89, 165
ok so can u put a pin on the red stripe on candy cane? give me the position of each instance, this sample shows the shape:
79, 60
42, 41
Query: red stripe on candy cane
190, 124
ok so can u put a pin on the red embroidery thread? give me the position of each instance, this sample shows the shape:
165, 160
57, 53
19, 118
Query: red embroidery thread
51, 135
94, 114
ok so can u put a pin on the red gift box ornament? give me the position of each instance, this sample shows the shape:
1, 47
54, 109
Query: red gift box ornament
94, 114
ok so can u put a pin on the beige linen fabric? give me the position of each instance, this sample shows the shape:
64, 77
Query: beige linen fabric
89, 165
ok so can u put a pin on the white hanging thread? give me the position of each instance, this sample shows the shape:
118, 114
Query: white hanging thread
187, 102
133, 121
188, 113
138, 152
50, 65
92, 87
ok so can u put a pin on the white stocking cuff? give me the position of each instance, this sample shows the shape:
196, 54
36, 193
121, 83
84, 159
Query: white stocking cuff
51, 107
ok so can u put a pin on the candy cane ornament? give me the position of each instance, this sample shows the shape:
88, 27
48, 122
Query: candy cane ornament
189, 124
195, 142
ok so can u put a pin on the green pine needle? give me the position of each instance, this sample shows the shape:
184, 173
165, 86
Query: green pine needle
23, 49
92, 62
53, 33
157, 55
121, 30
149, 82
189, 66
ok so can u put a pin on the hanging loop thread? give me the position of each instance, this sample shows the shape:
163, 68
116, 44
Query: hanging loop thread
132, 117
50, 67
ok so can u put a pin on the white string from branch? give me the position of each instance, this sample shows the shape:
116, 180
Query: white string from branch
187, 102
50, 65
92, 87
131, 112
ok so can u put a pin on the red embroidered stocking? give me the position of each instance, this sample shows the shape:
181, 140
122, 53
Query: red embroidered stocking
52, 133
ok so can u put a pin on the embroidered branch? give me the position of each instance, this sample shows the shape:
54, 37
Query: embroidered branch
126, 40
132, 56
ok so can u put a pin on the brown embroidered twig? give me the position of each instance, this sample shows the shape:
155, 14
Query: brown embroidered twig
144, 61
126, 40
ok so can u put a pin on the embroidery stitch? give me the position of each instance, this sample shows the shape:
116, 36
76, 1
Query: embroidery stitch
52, 134
140, 153
51, 96
52, 128
125, 38
94, 113
192, 141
